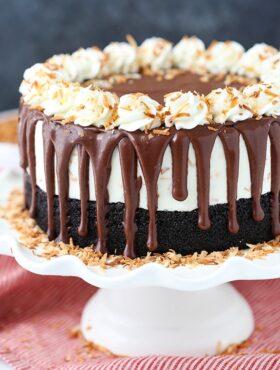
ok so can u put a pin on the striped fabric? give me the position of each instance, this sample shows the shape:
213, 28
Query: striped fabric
36, 313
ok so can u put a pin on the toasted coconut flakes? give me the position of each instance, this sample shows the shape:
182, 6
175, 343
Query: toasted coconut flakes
118, 79
131, 40
164, 132
36, 107
86, 349
74, 332
149, 114
232, 349
205, 78
182, 114
172, 73
219, 77
259, 327
57, 117
271, 93
231, 79
211, 128
6, 350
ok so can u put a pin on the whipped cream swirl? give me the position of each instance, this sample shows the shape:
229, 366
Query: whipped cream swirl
37, 80
64, 66
185, 110
271, 70
120, 58
93, 108
251, 62
220, 57
228, 104
39, 74
54, 86
138, 112
60, 98
33, 93
264, 99
188, 53
155, 53
87, 63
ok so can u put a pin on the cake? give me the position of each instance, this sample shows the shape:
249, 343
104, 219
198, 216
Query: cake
141, 149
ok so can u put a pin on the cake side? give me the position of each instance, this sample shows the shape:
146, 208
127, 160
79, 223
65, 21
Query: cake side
167, 167
96, 148
177, 231
166, 201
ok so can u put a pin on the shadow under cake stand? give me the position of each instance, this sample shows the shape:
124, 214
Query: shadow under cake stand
154, 309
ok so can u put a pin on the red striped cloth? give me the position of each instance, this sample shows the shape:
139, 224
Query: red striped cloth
36, 313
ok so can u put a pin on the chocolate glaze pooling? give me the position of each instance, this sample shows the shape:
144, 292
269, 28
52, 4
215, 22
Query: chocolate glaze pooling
96, 147
156, 88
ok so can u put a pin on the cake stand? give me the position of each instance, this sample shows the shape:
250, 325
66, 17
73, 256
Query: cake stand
154, 309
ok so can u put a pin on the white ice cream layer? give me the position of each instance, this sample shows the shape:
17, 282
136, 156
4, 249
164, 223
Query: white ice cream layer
218, 177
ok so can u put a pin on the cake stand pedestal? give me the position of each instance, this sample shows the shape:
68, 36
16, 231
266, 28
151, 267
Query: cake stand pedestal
141, 321
153, 309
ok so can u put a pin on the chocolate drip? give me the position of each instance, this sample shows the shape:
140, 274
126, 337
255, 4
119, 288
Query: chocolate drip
27, 127
22, 126
84, 189
179, 149
255, 135
96, 147
150, 151
203, 141
64, 146
23, 122
31, 158
131, 186
274, 134
100, 147
49, 176
230, 140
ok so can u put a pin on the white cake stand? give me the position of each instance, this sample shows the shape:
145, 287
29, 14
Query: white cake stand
154, 309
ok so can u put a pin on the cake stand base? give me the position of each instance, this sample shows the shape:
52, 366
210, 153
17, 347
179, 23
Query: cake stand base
160, 321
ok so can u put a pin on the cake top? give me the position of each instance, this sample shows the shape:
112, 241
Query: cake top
156, 84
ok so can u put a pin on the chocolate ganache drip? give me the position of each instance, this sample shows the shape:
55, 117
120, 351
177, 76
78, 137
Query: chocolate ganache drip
150, 151
84, 189
96, 147
179, 149
255, 135
132, 185
230, 140
49, 158
274, 134
203, 141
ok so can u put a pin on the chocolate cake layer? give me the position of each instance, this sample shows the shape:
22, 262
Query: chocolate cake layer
176, 230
